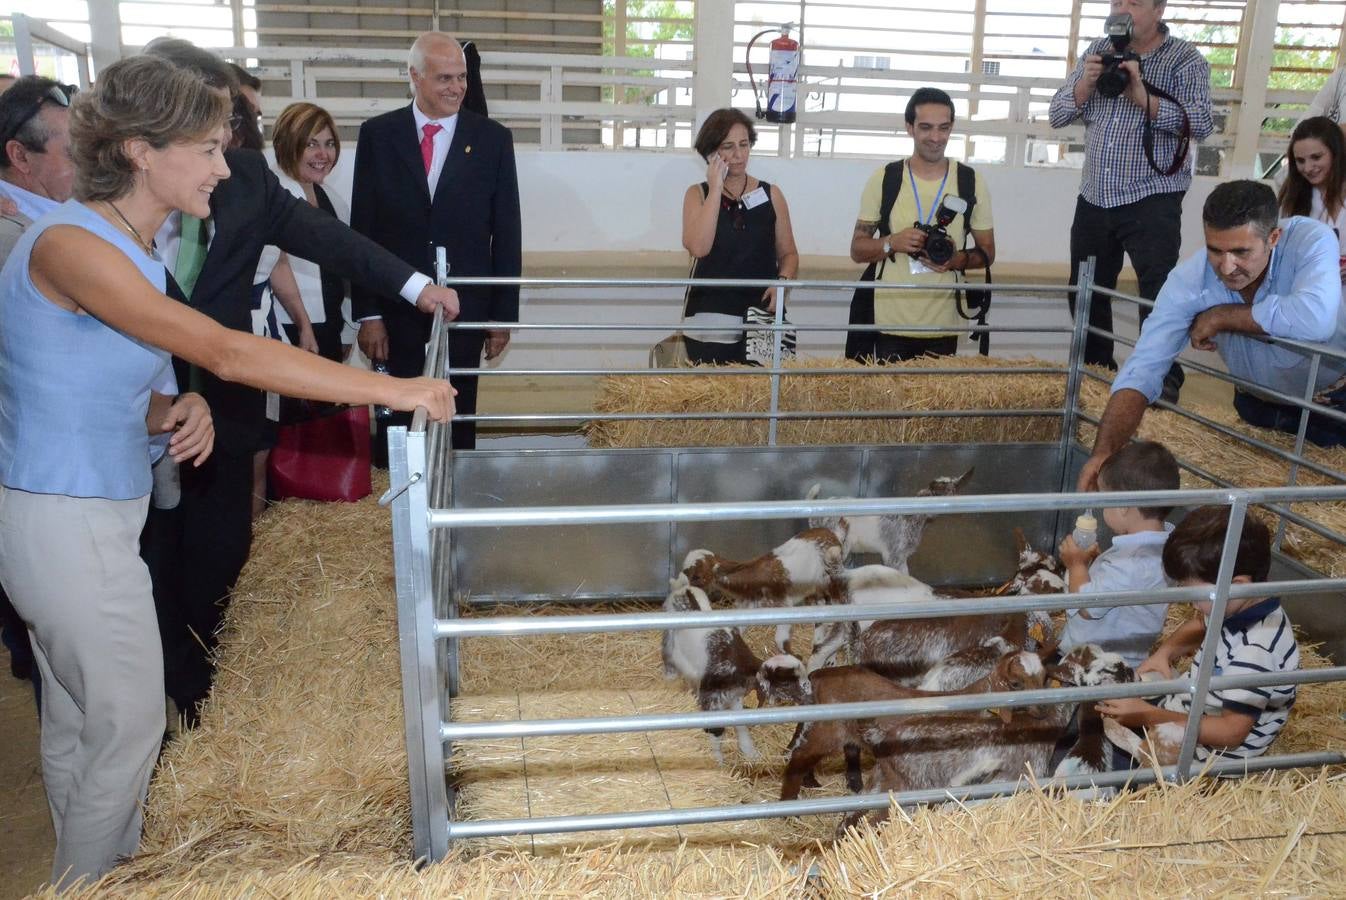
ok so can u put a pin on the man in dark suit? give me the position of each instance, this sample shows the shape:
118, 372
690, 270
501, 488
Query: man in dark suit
196, 551
434, 174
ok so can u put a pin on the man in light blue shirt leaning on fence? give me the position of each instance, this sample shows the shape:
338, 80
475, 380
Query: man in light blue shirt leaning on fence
1257, 277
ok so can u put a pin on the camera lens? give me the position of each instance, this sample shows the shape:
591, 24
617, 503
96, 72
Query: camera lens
1113, 80
939, 247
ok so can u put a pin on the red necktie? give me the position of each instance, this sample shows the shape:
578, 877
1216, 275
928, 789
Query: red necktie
429, 129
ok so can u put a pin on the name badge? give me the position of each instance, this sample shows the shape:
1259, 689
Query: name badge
918, 267
756, 198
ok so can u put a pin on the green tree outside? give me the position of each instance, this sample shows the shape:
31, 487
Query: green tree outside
655, 32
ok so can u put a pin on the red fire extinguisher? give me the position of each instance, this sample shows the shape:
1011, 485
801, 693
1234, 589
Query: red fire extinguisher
782, 73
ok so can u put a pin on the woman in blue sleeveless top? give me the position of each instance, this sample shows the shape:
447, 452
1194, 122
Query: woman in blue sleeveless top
735, 226
85, 335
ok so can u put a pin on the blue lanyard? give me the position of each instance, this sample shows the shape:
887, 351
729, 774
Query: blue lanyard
916, 194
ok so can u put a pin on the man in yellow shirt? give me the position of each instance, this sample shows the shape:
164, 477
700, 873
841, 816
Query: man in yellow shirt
901, 250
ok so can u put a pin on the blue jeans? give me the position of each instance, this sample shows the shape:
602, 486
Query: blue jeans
1322, 431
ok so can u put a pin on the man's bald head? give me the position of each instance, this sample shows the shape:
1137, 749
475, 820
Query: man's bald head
438, 72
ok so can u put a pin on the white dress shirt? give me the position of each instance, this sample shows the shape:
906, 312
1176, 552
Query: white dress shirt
442, 141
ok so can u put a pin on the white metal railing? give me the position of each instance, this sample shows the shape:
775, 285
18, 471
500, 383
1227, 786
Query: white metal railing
1012, 108
30, 32
431, 628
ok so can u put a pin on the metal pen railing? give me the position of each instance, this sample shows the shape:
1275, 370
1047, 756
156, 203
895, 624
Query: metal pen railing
438, 629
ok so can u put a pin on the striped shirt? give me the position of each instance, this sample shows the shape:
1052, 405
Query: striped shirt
1116, 171
1254, 640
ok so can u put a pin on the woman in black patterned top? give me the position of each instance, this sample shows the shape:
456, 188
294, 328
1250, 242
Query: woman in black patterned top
735, 226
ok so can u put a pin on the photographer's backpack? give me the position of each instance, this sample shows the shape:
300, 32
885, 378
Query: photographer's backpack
973, 305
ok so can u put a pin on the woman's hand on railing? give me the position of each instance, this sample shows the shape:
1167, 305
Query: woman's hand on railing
435, 394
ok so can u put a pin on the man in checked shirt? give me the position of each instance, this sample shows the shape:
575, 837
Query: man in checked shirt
1124, 204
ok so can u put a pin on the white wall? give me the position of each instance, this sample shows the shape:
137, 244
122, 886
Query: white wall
578, 205
586, 201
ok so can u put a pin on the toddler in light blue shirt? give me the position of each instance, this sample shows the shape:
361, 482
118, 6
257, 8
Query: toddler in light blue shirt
1134, 562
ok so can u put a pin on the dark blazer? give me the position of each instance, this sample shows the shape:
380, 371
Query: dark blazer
250, 210
474, 213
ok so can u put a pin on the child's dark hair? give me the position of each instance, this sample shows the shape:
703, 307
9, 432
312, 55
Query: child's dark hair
1142, 466
1192, 552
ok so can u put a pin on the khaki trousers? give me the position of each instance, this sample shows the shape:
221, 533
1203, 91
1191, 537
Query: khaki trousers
74, 573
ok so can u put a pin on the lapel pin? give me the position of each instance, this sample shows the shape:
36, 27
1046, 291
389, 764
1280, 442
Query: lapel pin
467, 149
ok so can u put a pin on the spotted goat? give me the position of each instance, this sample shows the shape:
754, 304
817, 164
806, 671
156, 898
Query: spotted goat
715, 662
801, 569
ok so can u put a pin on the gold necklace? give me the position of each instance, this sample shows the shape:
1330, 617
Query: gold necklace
148, 247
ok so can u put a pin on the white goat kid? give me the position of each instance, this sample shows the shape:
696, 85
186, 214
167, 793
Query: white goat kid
894, 537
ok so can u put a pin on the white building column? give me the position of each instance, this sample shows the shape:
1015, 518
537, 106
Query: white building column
713, 80
1256, 56
105, 29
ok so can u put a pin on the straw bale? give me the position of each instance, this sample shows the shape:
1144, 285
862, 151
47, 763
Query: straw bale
901, 390
1264, 834
904, 389
295, 783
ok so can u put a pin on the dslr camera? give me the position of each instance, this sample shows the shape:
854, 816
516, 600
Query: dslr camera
939, 246
1118, 29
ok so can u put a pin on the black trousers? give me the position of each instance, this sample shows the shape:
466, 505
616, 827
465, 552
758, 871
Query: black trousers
711, 352
194, 554
1149, 231
406, 359
1322, 431
896, 348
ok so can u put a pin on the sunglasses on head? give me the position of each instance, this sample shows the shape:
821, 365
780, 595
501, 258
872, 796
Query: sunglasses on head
56, 95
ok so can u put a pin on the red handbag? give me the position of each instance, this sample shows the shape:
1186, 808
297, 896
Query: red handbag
324, 458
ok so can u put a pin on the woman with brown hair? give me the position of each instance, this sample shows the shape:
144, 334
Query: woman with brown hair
86, 332
307, 148
735, 226
1315, 183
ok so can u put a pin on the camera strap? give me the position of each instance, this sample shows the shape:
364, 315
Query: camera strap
1184, 135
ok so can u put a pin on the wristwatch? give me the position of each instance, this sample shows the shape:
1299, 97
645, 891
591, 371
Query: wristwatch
887, 247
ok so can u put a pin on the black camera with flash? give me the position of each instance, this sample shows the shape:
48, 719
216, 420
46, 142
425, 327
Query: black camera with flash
939, 248
1118, 29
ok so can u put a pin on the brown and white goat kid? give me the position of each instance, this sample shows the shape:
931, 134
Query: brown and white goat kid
860, 587
714, 662
1161, 743
905, 650
894, 537
801, 568
1038, 572
782, 680
931, 751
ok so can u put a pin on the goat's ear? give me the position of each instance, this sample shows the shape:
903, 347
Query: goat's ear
1005, 713
1020, 542
962, 479
814, 491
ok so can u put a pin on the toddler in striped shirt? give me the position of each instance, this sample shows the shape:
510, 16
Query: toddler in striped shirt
1255, 638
